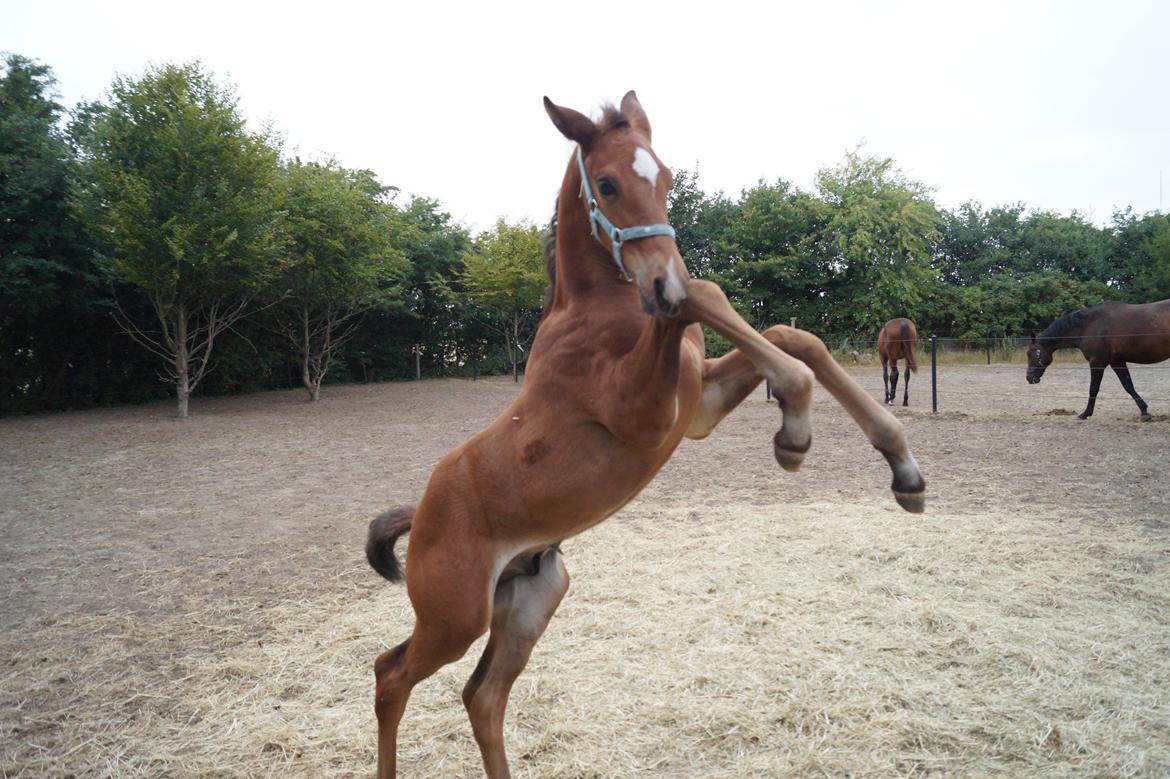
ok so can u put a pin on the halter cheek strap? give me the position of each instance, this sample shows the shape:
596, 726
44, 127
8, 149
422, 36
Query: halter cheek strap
617, 235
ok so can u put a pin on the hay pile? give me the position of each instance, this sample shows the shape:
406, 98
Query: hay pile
723, 642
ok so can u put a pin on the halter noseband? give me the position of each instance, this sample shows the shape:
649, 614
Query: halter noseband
617, 235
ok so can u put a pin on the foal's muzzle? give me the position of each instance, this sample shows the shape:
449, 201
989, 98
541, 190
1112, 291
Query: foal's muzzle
662, 291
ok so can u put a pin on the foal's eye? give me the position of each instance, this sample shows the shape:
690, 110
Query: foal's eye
606, 188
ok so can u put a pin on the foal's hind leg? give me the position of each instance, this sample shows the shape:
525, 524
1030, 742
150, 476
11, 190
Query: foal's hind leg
1122, 371
523, 607
451, 609
906, 387
893, 383
885, 380
729, 379
791, 382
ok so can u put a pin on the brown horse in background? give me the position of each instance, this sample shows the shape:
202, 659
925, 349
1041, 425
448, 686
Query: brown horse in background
897, 339
1109, 336
616, 379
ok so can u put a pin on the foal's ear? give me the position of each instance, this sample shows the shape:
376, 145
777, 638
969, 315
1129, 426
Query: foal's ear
632, 111
573, 125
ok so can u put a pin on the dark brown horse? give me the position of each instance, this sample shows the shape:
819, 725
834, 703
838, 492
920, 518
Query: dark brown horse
1109, 336
616, 379
896, 340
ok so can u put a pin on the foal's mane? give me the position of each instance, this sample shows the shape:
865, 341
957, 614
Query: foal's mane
549, 238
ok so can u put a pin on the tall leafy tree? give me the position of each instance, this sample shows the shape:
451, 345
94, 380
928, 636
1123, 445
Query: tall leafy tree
384, 345
342, 261
183, 195
1140, 255
504, 274
1071, 245
56, 340
773, 268
880, 232
698, 219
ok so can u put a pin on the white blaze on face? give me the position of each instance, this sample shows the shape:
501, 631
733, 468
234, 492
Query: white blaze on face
645, 166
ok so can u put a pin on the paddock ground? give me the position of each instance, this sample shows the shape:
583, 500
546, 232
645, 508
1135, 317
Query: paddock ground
189, 598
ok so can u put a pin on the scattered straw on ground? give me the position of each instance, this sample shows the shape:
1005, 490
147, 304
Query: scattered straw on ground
707, 632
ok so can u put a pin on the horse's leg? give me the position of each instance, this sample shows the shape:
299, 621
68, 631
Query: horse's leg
1122, 371
791, 381
729, 379
523, 607
893, 382
1096, 372
885, 379
906, 386
451, 611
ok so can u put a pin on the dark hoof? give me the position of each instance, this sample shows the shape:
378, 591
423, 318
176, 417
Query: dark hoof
1083, 416
914, 502
790, 457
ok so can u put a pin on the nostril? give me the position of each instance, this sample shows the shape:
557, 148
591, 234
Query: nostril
660, 290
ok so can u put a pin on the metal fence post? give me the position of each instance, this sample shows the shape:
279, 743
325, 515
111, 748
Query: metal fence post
933, 375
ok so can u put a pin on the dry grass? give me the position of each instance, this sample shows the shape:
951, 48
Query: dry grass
833, 641
713, 632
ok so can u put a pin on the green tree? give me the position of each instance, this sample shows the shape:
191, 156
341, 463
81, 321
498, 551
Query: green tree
1140, 255
58, 345
1070, 245
504, 275
975, 243
183, 194
879, 236
383, 347
341, 261
698, 220
1153, 282
772, 268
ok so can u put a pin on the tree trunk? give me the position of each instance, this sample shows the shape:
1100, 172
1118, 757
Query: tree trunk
514, 349
306, 377
182, 375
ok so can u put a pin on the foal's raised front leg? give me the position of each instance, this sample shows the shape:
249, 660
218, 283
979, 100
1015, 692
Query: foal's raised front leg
728, 380
791, 381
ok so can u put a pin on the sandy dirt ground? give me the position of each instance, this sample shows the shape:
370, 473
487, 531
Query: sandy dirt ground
190, 598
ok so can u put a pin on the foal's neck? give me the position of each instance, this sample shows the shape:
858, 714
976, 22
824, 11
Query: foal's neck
585, 268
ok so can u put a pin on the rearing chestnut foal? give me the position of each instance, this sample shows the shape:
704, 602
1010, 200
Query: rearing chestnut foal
616, 379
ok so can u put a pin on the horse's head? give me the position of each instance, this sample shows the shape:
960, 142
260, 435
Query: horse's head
1039, 358
624, 195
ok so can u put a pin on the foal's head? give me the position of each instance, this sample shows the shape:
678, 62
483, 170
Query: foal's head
626, 198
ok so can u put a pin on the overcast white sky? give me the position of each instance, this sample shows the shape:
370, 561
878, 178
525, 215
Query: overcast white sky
1060, 105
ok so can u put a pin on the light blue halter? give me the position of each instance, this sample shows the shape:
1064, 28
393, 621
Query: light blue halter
617, 235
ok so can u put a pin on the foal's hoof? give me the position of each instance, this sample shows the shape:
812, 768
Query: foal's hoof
1146, 418
789, 456
914, 502
1083, 416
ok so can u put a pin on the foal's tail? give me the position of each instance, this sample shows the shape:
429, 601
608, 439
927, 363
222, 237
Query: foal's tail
908, 344
384, 531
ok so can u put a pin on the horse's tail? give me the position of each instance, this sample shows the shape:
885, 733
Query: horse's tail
384, 531
908, 346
